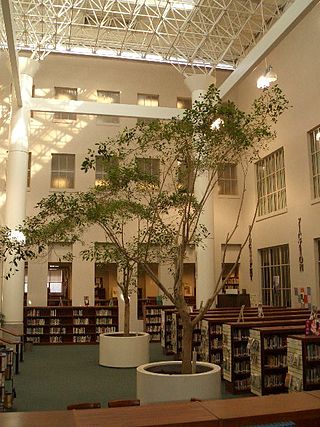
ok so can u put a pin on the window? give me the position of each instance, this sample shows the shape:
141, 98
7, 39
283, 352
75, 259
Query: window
275, 276
108, 97
29, 169
271, 183
54, 280
62, 171
102, 167
147, 100
184, 103
314, 138
186, 176
149, 167
227, 179
69, 94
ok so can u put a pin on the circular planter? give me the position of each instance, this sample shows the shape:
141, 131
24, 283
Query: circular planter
118, 351
155, 383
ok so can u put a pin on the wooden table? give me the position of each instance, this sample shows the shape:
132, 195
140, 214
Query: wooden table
301, 407
186, 414
38, 419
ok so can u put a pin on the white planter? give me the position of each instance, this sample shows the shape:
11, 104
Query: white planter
117, 351
158, 387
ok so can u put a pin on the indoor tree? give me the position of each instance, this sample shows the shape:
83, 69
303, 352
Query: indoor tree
146, 202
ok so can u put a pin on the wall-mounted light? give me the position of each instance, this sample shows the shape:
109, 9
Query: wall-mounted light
267, 78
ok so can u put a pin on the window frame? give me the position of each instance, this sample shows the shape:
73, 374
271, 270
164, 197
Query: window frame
66, 93
274, 262
314, 156
270, 174
59, 171
224, 180
108, 119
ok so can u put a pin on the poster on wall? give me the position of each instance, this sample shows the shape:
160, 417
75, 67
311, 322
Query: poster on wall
303, 296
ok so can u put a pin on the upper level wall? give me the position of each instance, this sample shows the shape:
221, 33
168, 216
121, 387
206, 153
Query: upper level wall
297, 63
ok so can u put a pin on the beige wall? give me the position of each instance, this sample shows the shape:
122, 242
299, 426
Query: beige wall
297, 63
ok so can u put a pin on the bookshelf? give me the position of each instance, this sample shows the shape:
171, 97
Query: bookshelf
152, 319
69, 325
268, 358
7, 391
303, 362
236, 357
166, 330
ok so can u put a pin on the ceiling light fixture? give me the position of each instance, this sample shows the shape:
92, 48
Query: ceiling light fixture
216, 124
267, 78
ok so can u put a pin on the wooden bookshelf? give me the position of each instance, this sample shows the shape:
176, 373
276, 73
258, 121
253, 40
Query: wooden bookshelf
268, 358
7, 391
69, 325
152, 320
303, 362
236, 351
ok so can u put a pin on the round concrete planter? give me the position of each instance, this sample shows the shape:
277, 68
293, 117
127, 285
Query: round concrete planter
118, 351
155, 386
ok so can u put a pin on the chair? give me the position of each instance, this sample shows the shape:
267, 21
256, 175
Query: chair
123, 402
86, 405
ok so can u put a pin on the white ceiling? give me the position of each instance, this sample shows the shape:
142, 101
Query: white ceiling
202, 33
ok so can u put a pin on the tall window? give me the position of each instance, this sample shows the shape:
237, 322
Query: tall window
102, 167
184, 103
314, 138
275, 276
149, 167
62, 171
29, 169
108, 97
271, 183
227, 179
69, 94
147, 100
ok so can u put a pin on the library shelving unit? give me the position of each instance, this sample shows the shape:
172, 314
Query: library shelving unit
166, 330
236, 351
152, 319
303, 362
7, 391
268, 358
236, 356
69, 325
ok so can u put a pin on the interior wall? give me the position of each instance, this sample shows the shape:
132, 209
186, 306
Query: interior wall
297, 64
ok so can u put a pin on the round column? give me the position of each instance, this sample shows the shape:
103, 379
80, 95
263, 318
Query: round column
16, 188
198, 85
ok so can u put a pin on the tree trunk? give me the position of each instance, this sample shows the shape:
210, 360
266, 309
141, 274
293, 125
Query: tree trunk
187, 335
126, 327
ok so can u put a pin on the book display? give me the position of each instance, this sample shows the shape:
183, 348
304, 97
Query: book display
152, 321
66, 325
237, 346
303, 362
7, 391
166, 330
268, 358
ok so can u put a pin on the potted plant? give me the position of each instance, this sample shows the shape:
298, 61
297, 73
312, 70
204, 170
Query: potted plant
150, 188
156, 178
65, 217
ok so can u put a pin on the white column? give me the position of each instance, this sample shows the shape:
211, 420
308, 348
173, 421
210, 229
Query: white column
198, 85
16, 188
